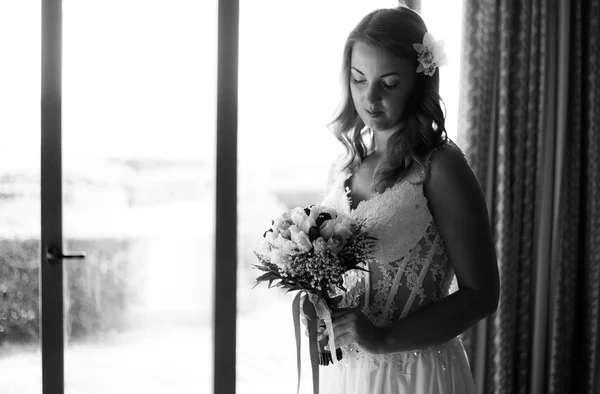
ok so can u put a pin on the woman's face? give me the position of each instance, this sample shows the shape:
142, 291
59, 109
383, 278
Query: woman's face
380, 84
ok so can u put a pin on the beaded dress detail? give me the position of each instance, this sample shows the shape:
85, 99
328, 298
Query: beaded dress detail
410, 269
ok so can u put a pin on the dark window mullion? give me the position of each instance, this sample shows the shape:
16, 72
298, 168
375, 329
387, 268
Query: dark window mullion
51, 283
225, 309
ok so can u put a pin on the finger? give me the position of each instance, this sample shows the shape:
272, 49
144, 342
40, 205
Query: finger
348, 327
342, 312
323, 333
343, 320
341, 341
345, 329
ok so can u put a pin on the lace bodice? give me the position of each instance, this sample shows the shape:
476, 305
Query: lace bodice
410, 267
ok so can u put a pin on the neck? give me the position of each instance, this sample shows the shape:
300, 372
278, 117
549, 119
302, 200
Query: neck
380, 138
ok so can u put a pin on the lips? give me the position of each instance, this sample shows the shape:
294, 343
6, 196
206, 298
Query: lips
374, 114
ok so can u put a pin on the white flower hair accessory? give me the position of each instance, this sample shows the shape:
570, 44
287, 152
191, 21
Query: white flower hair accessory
431, 54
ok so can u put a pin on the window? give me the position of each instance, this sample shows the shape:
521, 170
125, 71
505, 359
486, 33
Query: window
138, 187
138, 132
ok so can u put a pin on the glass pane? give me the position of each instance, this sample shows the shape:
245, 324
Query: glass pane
20, 45
444, 21
289, 90
138, 144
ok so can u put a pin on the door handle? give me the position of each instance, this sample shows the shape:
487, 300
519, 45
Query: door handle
54, 255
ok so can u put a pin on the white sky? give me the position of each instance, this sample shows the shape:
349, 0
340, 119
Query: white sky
140, 82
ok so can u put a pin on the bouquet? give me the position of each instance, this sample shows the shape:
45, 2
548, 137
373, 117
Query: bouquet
309, 250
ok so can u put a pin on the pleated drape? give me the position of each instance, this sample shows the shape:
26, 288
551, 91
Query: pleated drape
528, 122
575, 290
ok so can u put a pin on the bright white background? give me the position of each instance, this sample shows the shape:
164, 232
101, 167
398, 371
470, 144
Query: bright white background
139, 87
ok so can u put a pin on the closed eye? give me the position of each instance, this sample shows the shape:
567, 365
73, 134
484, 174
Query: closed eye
389, 87
358, 81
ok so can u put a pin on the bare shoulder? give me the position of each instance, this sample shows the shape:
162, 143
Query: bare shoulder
451, 181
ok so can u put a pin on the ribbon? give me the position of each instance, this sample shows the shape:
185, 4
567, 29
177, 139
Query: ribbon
313, 344
323, 313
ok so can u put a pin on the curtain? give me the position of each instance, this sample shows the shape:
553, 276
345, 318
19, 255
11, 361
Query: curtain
529, 116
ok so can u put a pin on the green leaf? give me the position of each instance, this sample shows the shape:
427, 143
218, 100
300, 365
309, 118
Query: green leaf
264, 277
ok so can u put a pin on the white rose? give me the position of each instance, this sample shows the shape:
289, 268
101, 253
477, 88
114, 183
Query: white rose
290, 248
307, 224
298, 216
314, 213
286, 233
327, 229
300, 238
335, 244
278, 242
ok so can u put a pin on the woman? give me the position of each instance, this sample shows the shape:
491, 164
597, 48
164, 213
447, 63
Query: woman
399, 329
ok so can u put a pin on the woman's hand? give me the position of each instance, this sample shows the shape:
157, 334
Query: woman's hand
350, 325
320, 328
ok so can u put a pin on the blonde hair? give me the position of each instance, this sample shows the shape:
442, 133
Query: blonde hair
422, 124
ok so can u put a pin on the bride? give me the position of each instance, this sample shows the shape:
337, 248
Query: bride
398, 330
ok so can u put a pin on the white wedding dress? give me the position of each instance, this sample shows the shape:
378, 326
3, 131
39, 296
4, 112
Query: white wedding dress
410, 269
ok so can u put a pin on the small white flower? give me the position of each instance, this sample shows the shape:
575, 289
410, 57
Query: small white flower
278, 257
431, 54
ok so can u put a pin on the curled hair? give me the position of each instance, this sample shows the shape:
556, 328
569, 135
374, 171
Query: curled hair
422, 126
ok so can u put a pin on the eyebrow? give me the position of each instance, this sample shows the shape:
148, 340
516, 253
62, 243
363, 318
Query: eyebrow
383, 76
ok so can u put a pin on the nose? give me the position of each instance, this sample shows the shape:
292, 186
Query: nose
373, 95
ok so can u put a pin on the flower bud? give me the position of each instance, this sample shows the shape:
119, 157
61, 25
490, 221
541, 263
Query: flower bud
319, 245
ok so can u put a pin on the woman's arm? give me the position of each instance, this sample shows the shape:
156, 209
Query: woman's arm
459, 207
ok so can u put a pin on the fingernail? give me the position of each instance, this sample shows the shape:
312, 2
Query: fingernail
320, 329
326, 347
